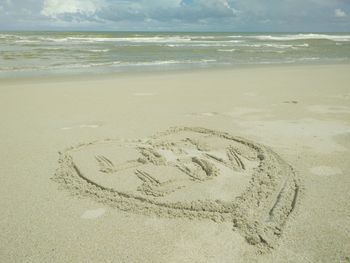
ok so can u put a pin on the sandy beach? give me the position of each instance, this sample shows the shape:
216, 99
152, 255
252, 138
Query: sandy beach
231, 165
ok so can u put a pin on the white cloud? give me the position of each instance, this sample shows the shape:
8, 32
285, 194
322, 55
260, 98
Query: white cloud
339, 13
166, 11
54, 8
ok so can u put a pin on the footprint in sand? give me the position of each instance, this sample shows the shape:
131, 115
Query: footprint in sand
193, 173
93, 214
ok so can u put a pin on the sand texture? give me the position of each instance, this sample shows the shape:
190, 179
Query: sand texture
245, 165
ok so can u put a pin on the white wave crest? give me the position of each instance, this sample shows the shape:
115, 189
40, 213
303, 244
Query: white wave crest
227, 50
129, 39
302, 37
166, 62
99, 50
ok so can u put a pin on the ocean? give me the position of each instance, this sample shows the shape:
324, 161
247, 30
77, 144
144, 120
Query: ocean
70, 53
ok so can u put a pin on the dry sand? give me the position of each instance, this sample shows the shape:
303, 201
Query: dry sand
245, 165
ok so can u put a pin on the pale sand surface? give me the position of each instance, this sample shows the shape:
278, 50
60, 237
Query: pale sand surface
171, 197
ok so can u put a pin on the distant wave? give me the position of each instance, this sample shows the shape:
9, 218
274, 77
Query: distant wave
26, 41
227, 50
279, 46
174, 38
99, 50
132, 39
309, 58
166, 62
239, 44
201, 44
302, 37
122, 39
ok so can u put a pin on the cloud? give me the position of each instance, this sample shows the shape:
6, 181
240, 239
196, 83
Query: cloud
187, 15
56, 8
192, 11
339, 13
139, 10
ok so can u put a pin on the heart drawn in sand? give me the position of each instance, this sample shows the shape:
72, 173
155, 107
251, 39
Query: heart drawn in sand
195, 173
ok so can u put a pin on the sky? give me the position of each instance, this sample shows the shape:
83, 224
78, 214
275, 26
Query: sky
177, 15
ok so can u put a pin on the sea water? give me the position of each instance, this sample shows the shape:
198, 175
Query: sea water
57, 53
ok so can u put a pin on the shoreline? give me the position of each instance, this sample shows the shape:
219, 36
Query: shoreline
151, 73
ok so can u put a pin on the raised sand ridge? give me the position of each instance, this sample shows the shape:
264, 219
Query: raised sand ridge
195, 173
